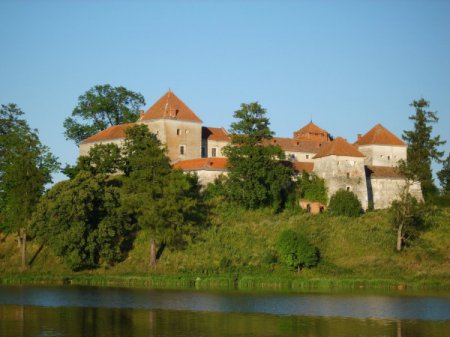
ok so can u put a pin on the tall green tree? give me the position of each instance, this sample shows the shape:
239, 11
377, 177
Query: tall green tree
82, 221
257, 177
444, 177
25, 168
101, 107
423, 148
164, 201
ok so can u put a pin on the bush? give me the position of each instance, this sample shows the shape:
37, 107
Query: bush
345, 203
295, 250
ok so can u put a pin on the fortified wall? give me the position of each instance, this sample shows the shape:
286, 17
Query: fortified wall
368, 167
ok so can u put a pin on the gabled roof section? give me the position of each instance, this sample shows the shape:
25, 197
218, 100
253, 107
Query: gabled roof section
379, 135
169, 106
113, 132
312, 131
297, 145
339, 147
218, 134
384, 172
211, 164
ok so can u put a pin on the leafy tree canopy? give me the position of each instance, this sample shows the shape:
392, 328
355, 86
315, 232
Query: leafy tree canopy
101, 107
422, 147
345, 203
81, 220
257, 176
296, 251
312, 187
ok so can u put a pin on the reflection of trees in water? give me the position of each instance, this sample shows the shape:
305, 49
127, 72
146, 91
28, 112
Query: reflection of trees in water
99, 322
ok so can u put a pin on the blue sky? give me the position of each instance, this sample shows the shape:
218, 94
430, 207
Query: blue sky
346, 64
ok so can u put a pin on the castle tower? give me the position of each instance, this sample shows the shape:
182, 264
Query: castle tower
312, 132
341, 165
176, 125
381, 147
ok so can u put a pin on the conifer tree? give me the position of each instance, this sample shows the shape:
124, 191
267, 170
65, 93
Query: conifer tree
444, 177
257, 176
25, 167
422, 147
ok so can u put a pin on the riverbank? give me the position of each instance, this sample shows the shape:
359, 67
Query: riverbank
238, 251
227, 282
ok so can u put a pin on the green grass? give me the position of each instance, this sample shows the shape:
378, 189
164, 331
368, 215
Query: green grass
238, 251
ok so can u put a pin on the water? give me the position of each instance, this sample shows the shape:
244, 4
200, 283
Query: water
91, 311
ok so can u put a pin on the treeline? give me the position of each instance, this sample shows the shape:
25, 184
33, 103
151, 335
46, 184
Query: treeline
92, 219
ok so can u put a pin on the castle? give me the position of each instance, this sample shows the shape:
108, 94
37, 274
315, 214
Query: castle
367, 167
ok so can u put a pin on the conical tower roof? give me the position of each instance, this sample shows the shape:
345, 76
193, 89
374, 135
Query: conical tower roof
339, 147
169, 106
379, 135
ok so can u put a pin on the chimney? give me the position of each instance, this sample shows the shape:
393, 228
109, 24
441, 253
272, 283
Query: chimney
359, 136
141, 114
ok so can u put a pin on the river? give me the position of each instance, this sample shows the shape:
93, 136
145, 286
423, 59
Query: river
93, 311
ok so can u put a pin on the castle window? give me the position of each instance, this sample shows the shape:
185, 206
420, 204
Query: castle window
182, 149
213, 152
187, 131
307, 156
348, 188
178, 132
348, 175
389, 157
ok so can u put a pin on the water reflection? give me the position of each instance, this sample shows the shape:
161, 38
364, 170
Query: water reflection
330, 305
40, 321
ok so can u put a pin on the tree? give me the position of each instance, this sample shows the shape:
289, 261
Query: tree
422, 147
406, 217
345, 203
82, 221
101, 107
312, 187
444, 177
25, 168
162, 200
296, 251
257, 176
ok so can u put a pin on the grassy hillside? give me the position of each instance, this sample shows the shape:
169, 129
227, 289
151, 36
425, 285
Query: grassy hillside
241, 245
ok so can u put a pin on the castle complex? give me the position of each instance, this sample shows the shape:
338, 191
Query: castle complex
367, 167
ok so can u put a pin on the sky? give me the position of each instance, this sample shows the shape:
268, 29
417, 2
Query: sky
345, 65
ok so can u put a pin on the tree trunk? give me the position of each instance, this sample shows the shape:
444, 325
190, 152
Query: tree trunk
399, 238
24, 249
152, 262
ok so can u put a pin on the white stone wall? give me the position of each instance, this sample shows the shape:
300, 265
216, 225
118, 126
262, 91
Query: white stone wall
218, 145
385, 190
174, 134
85, 147
383, 155
208, 176
301, 156
345, 173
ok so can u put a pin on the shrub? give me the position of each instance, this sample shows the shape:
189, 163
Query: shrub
345, 203
295, 250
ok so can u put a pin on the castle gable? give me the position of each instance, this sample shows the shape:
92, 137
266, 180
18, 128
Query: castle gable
379, 135
312, 132
169, 106
113, 132
218, 134
338, 147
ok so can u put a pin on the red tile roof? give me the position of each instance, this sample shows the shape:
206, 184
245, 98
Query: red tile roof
301, 145
171, 107
312, 131
338, 147
300, 166
211, 164
383, 172
379, 135
113, 132
218, 134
